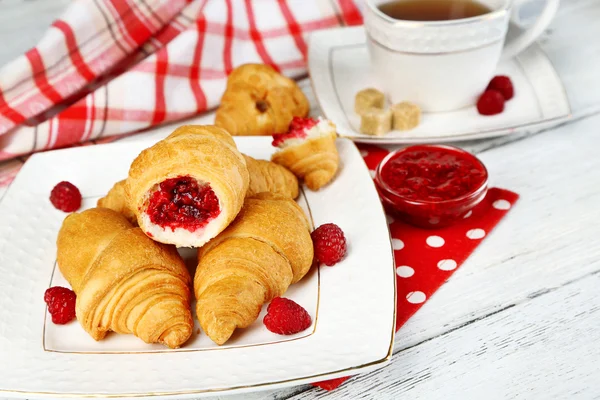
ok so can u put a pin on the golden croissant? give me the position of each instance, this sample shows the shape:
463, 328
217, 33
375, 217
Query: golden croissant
266, 176
116, 200
124, 281
309, 151
259, 101
267, 248
188, 187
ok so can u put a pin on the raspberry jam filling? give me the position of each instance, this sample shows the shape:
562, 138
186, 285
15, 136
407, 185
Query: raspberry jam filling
298, 130
183, 203
427, 174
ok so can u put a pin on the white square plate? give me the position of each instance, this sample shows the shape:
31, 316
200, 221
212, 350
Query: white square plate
352, 304
339, 67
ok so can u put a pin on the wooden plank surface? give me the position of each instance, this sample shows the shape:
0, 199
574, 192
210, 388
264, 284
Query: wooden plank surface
23, 22
540, 348
520, 318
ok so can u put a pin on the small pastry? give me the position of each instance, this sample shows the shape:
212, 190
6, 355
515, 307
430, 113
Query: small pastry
405, 116
267, 248
116, 200
376, 121
308, 150
368, 98
266, 176
259, 101
124, 281
188, 187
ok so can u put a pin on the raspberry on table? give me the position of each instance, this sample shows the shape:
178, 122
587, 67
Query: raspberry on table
286, 317
66, 197
61, 304
331, 384
503, 84
329, 243
491, 102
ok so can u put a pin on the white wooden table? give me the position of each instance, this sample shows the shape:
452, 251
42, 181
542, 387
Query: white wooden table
521, 318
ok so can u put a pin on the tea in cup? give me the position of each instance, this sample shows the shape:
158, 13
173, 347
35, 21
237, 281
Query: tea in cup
441, 54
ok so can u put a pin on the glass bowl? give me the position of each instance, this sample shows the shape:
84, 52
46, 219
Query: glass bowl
430, 214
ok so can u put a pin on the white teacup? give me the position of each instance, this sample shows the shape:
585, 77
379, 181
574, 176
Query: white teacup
445, 65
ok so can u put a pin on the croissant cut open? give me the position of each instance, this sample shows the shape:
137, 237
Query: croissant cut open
188, 187
312, 157
265, 176
267, 248
124, 281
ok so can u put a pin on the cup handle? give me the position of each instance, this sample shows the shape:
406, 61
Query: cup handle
522, 41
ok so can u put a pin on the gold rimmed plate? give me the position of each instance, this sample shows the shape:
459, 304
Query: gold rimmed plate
352, 304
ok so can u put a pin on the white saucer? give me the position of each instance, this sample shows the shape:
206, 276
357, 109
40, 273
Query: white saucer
339, 66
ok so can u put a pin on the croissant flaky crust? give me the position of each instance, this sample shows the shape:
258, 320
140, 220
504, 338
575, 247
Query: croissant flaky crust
267, 248
124, 281
204, 155
116, 200
266, 176
259, 101
314, 159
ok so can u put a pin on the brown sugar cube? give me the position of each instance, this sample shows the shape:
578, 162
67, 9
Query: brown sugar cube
376, 121
405, 116
368, 98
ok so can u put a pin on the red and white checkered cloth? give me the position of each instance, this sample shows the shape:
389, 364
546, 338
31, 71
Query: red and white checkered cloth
112, 67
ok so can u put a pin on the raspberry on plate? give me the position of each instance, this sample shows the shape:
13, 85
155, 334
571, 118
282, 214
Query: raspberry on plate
491, 102
286, 317
61, 304
66, 197
503, 84
329, 243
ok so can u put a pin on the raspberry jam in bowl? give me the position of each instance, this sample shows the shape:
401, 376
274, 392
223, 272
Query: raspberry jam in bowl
431, 186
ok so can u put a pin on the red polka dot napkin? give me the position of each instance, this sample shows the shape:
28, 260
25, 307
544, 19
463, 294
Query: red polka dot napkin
426, 258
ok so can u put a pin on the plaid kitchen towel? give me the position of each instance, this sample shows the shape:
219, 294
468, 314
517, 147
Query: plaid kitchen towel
111, 67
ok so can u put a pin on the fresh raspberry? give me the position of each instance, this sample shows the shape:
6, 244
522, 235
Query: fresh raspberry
491, 102
66, 197
298, 128
61, 304
329, 243
331, 384
286, 317
504, 85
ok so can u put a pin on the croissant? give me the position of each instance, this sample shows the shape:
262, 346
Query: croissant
309, 151
188, 187
259, 101
267, 248
124, 281
116, 200
266, 176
